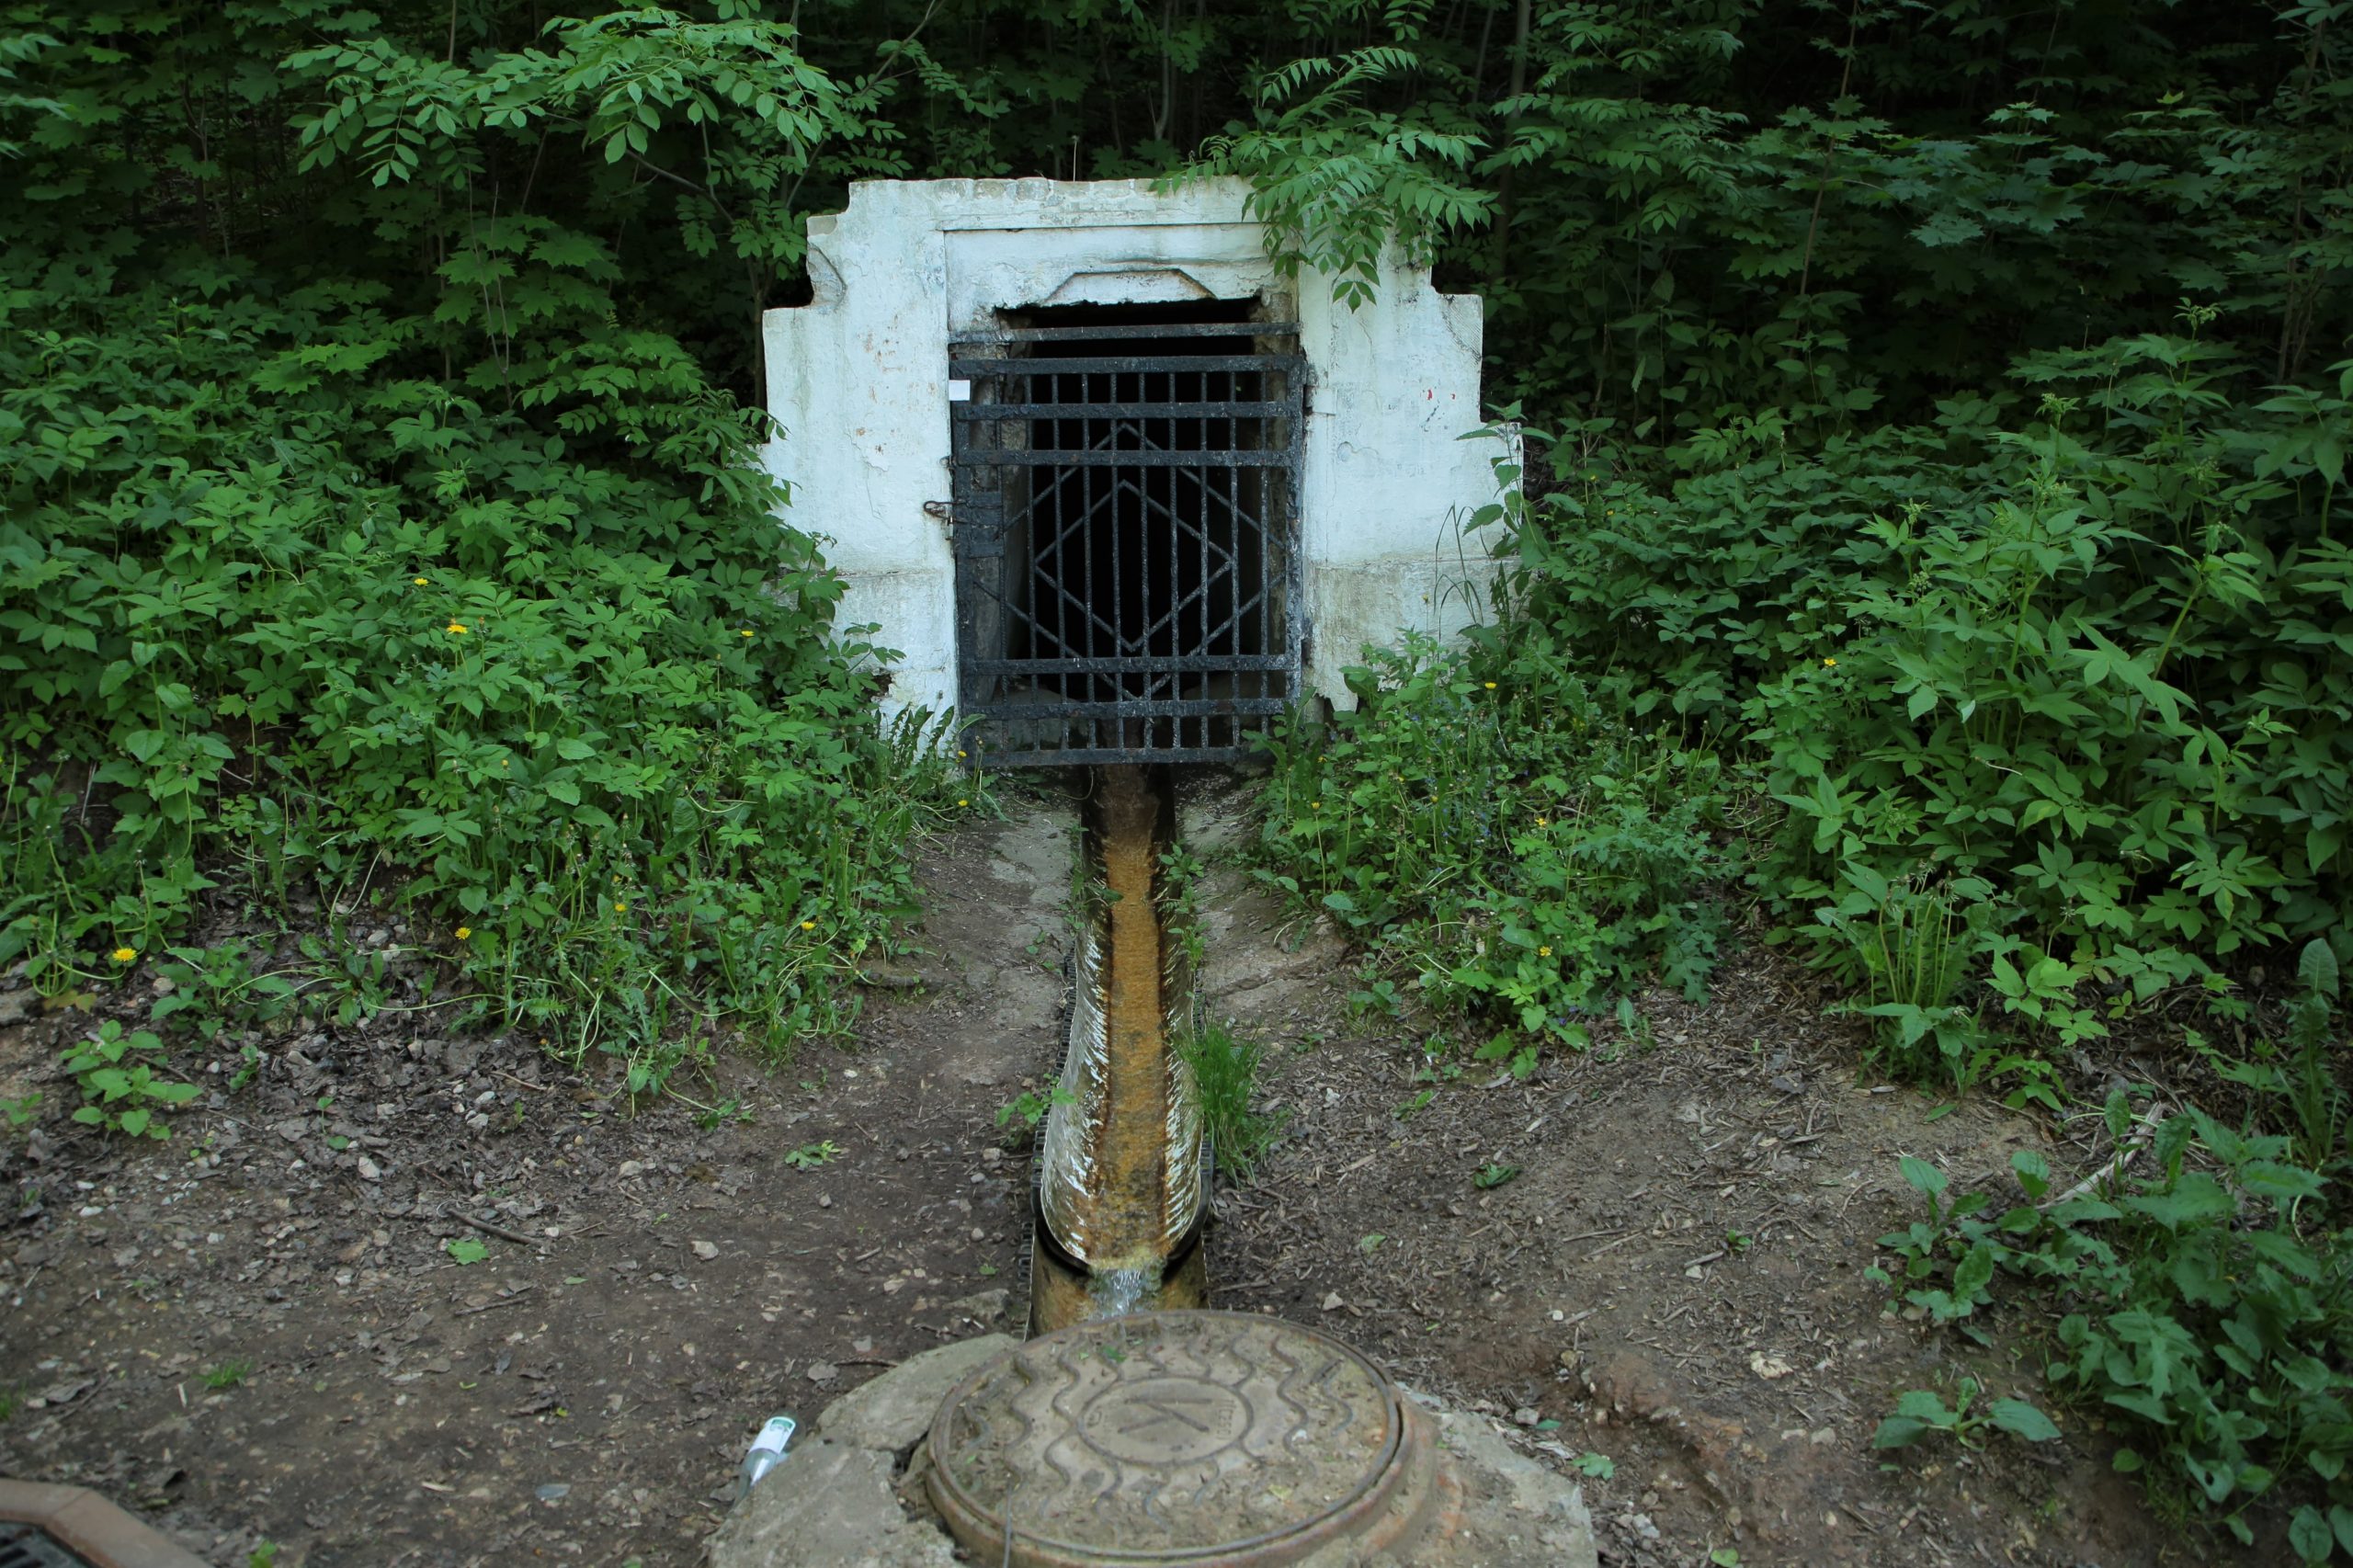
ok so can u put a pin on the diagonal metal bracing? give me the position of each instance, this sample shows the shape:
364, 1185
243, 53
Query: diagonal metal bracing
1107, 613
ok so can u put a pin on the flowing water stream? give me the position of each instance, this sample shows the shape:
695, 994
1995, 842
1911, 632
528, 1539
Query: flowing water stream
1120, 1187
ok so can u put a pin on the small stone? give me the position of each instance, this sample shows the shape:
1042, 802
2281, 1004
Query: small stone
824, 1201
631, 1168
863, 1346
459, 1057
555, 1492
1525, 1416
706, 1250
821, 1372
369, 1170
1332, 1301
293, 1129
987, 1308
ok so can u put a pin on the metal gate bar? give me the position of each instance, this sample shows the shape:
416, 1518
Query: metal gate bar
1124, 528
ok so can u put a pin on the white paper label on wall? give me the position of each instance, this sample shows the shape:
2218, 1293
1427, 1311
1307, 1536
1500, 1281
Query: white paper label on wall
960, 392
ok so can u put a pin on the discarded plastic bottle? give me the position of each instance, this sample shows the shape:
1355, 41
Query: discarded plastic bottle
767, 1451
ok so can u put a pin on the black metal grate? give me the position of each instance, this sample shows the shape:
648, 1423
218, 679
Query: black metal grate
1125, 529
29, 1546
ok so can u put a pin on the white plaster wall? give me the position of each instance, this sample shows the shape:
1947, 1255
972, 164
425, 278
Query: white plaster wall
857, 380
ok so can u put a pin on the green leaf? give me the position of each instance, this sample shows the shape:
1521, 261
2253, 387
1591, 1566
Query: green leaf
1922, 1404
2309, 1535
2196, 1197
465, 1250
1900, 1432
1924, 1176
2021, 1419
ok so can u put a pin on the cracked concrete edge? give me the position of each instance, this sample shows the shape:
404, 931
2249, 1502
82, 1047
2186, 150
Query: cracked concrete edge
836, 1501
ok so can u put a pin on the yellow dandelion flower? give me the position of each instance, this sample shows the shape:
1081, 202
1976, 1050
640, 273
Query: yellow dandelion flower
745, 632
1543, 952
1317, 805
464, 932
457, 628
124, 954
963, 803
959, 756
1829, 663
808, 925
1491, 685
1543, 822
421, 582
619, 908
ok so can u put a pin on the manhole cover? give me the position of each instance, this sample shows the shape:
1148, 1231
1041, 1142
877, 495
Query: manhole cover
1177, 1438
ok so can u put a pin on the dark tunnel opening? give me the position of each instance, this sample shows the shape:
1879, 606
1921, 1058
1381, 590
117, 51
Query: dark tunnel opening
1147, 540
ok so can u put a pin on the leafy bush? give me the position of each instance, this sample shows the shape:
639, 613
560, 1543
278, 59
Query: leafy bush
422, 559
2207, 1308
2020, 694
1514, 845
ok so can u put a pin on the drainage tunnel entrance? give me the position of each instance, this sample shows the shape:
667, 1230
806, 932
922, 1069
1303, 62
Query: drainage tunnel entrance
1125, 528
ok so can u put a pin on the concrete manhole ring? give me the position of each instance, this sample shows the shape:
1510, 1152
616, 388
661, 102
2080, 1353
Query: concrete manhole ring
1177, 1438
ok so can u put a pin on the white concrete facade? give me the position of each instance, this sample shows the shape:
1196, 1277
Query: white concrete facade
858, 379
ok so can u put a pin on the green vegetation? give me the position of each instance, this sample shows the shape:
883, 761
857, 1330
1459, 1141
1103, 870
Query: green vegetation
1926, 555
370, 529
226, 1375
1226, 1067
120, 1090
2202, 1306
1921, 1411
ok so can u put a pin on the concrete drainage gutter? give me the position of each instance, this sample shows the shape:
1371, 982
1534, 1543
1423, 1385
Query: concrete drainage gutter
1127, 1434
72, 1526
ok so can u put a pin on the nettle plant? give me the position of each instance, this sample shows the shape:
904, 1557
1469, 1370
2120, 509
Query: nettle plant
2204, 1307
2023, 695
1480, 819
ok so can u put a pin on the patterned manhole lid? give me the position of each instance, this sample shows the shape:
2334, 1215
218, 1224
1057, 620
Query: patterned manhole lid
1175, 1438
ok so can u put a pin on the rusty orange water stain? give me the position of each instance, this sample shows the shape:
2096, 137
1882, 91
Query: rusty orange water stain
1129, 1201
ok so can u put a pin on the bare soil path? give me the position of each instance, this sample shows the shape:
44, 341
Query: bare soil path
653, 1288
1673, 1280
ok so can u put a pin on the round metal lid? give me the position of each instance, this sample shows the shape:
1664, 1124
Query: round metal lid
1169, 1439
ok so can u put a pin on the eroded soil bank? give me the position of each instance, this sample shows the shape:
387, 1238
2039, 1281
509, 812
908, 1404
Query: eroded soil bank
1673, 1277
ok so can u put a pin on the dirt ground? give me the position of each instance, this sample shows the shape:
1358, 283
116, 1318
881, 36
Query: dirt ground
1673, 1280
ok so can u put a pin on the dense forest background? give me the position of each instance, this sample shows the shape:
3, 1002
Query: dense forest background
1942, 408
1930, 560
